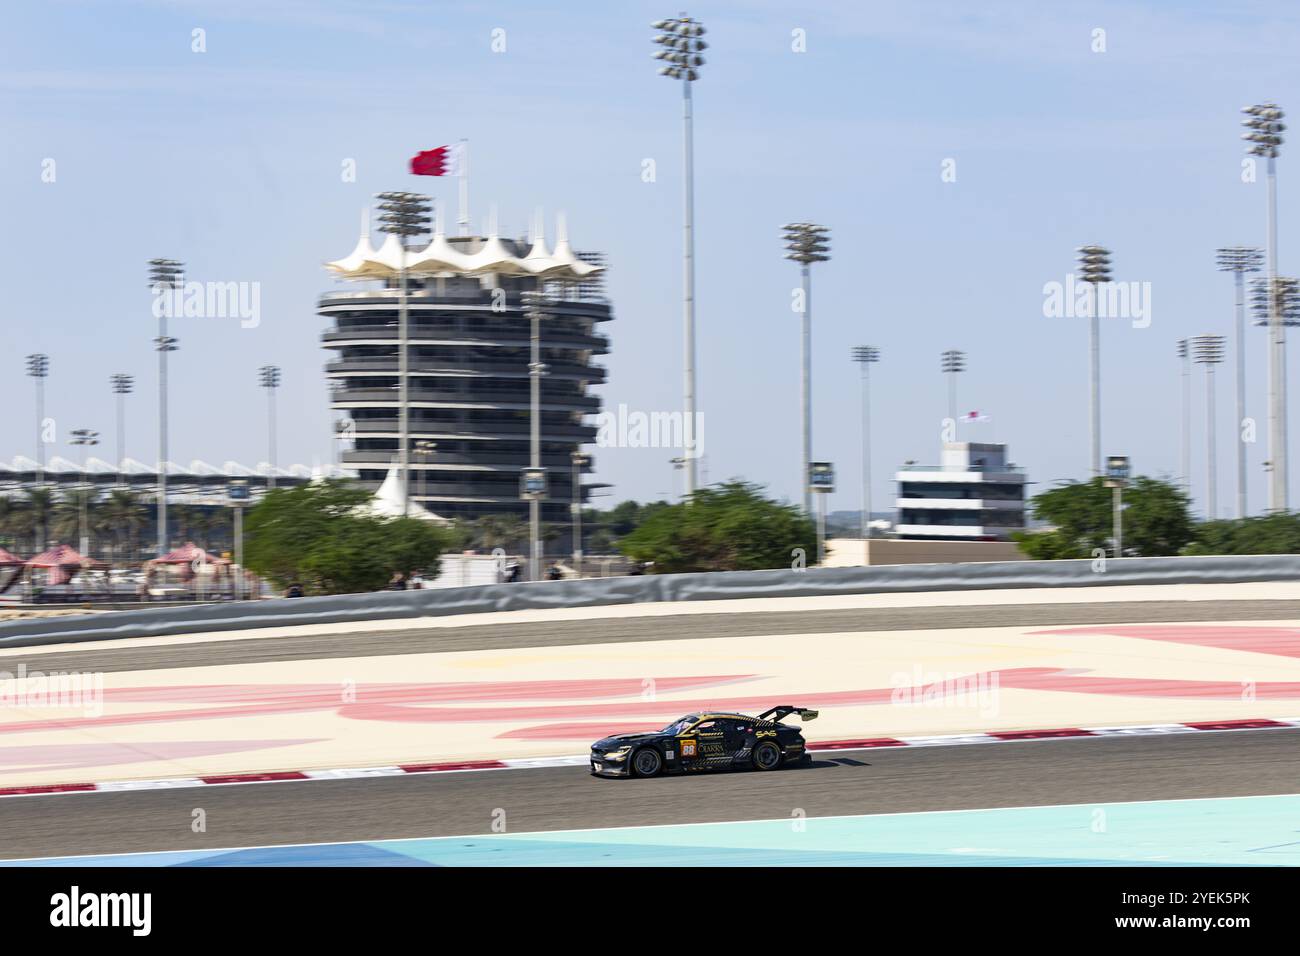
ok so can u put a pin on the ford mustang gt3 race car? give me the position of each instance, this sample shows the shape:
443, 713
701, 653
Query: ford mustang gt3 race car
707, 741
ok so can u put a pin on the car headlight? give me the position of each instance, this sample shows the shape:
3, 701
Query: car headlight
616, 755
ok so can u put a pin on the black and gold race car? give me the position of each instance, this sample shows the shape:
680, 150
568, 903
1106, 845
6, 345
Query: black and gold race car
705, 741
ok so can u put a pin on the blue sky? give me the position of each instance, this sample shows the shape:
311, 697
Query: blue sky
230, 160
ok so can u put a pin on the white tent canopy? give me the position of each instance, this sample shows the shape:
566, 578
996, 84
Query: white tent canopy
387, 502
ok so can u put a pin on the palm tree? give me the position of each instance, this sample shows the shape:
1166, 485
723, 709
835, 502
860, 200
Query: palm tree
492, 531
221, 528
66, 516
8, 521
35, 512
122, 515
180, 525
550, 531
199, 524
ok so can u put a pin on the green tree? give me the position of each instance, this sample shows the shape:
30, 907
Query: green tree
726, 527
1157, 520
601, 530
1266, 534
320, 536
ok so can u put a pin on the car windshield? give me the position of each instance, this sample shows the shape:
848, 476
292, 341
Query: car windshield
677, 726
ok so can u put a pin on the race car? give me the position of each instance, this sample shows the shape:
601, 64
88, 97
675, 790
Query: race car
706, 741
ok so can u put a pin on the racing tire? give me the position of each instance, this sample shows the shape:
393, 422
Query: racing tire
766, 756
647, 762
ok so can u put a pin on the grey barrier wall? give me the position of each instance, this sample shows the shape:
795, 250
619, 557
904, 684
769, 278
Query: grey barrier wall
597, 592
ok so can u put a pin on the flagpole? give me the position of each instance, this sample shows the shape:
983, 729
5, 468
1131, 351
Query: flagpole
464, 188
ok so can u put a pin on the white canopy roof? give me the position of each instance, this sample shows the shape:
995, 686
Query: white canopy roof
387, 502
442, 257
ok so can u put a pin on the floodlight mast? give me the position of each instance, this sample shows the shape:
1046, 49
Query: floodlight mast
681, 49
404, 215
1264, 128
165, 276
1208, 350
866, 356
1239, 260
806, 243
1094, 269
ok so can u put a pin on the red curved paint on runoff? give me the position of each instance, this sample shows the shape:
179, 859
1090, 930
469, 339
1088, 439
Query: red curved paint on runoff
1282, 641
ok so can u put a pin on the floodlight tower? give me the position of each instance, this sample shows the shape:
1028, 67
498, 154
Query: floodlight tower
682, 46
951, 363
1208, 350
1264, 130
1239, 260
38, 367
165, 276
807, 243
1276, 310
1094, 269
403, 215
122, 386
866, 356
86, 438
1184, 353
268, 376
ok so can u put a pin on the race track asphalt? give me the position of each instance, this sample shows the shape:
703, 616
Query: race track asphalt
615, 630
1034, 773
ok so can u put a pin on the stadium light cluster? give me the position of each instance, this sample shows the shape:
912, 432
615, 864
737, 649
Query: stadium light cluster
682, 47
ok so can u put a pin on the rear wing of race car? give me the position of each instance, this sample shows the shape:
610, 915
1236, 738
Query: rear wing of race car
785, 710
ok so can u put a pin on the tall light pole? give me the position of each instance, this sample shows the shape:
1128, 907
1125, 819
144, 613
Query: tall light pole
535, 309
268, 377
1277, 308
951, 363
164, 276
681, 51
1264, 133
85, 438
1094, 268
237, 495
1239, 260
424, 447
1185, 354
580, 461
807, 243
403, 215
681, 48
1208, 350
38, 367
865, 356
1117, 475
122, 385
